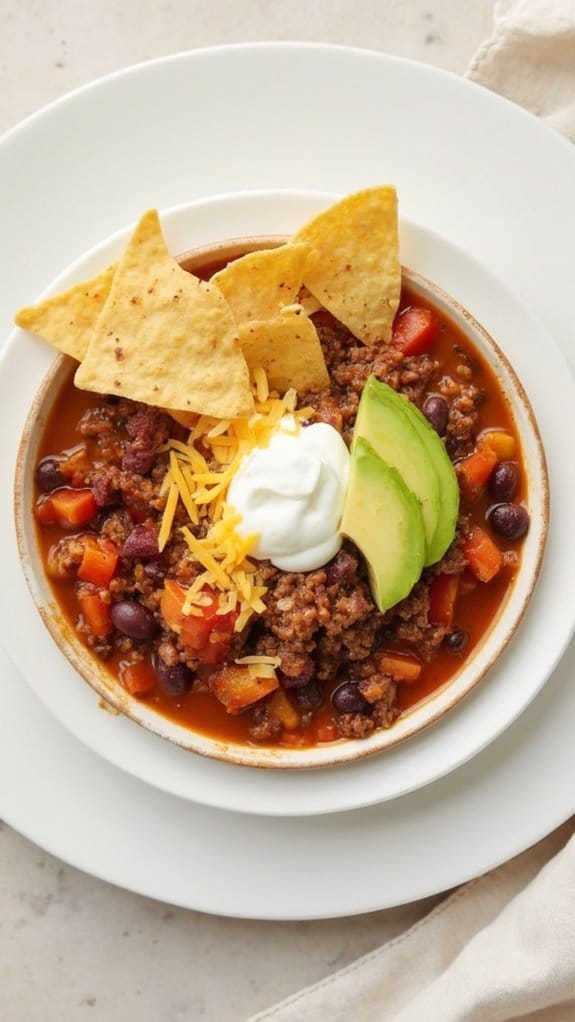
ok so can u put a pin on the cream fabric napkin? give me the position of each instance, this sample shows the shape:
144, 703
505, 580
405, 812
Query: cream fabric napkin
502, 947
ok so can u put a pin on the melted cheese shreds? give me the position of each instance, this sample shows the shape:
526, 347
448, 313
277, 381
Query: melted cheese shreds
168, 516
272, 661
198, 475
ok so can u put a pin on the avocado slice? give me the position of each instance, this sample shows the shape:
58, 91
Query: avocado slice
383, 518
383, 420
439, 458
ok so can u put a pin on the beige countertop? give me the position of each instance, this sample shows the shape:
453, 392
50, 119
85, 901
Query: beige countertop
73, 947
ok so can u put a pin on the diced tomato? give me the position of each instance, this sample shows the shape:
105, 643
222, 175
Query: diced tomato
484, 558
442, 597
474, 471
400, 666
208, 634
66, 507
138, 677
95, 612
415, 330
100, 560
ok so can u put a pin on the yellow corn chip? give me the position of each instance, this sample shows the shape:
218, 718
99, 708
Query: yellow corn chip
353, 265
165, 337
66, 321
258, 284
289, 351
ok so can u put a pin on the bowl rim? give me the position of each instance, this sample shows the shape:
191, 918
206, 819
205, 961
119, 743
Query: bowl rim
432, 709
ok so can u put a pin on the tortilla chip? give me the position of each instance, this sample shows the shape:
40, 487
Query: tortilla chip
353, 266
66, 321
165, 337
258, 284
289, 350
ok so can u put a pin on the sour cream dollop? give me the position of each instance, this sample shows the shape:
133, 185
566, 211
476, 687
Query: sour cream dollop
292, 493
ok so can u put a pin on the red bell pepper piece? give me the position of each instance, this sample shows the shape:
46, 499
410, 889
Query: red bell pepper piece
415, 330
208, 634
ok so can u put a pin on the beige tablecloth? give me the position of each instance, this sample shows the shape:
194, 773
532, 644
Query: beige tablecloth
502, 947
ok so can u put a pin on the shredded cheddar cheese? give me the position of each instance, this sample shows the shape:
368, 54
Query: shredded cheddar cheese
198, 475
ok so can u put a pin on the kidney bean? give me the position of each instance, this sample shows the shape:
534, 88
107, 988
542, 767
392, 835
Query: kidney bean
141, 543
132, 619
348, 699
436, 411
48, 474
510, 521
502, 483
174, 680
456, 640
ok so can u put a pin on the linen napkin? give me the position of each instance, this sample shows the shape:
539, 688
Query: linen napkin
502, 947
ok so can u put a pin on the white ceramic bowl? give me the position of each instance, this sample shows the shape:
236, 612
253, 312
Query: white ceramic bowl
212, 225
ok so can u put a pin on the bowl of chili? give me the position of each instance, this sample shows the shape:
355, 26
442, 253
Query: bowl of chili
346, 680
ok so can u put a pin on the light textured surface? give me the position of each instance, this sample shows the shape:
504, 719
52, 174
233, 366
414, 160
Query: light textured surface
72, 947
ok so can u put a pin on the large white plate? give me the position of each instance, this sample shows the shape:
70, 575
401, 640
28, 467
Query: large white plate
440, 748
322, 118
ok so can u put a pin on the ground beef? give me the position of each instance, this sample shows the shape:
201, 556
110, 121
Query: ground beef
355, 725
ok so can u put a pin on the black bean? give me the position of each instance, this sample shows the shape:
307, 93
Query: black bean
174, 680
502, 484
48, 474
510, 521
456, 640
348, 699
132, 619
310, 696
436, 411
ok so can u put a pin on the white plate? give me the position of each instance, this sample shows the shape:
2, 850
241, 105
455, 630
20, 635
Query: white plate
440, 140
417, 761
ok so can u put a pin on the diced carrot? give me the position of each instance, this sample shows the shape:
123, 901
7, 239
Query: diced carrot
501, 443
138, 677
95, 612
66, 507
236, 687
483, 556
415, 330
442, 597
400, 666
474, 471
280, 708
100, 560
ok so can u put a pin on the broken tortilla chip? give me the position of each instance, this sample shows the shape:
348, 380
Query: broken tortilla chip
165, 337
353, 265
288, 349
259, 284
66, 321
